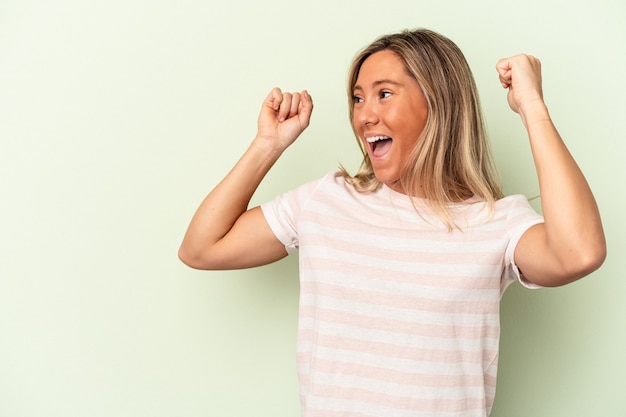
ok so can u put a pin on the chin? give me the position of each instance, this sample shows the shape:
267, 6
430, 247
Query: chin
390, 181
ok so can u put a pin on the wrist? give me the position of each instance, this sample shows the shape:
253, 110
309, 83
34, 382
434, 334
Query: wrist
534, 111
266, 148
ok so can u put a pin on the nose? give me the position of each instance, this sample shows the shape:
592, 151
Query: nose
366, 114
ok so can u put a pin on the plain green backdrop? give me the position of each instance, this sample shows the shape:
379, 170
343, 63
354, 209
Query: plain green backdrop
118, 116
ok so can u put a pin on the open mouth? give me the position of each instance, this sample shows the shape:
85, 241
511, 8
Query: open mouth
379, 145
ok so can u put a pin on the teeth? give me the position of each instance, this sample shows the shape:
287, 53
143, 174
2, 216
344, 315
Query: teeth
373, 139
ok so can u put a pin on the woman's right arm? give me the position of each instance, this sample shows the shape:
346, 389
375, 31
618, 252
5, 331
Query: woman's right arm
224, 233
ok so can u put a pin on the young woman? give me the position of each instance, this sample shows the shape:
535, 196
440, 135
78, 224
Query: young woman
402, 265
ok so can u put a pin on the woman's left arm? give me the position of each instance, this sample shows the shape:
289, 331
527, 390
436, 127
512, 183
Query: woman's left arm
570, 243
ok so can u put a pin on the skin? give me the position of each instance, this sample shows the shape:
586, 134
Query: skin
571, 243
388, 102
225, 234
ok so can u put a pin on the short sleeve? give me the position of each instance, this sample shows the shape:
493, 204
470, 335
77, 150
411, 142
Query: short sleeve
283, 212
280, 217
521, 217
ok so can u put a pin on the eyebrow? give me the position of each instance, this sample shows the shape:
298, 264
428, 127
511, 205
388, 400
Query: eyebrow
379, 82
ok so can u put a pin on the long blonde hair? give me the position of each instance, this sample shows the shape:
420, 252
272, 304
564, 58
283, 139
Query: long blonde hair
452, 159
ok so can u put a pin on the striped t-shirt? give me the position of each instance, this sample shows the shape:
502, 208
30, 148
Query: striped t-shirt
398, 316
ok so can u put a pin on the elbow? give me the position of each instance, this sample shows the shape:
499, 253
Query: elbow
592, 259
594, 254
582, 263
192, 258
185, 257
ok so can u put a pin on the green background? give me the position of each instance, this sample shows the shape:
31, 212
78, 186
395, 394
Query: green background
118, 116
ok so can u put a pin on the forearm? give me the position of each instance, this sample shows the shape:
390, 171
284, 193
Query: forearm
219, 211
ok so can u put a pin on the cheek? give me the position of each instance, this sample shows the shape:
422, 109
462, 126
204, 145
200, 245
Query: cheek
354, 123
359, 136
416, 127
410, 137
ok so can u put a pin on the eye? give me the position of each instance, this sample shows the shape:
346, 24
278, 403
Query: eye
356, 99
385, 94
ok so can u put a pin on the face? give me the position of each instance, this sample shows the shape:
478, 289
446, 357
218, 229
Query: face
389, 114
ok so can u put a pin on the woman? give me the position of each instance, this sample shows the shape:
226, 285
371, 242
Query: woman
402, 265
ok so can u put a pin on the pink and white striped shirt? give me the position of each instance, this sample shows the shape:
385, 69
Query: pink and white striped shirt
398, 316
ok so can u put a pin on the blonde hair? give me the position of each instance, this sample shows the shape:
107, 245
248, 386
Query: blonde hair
451, 160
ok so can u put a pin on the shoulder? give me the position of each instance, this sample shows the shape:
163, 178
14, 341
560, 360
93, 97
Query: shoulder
517, 209
300, 196
513, 202
506, 216
332, 184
